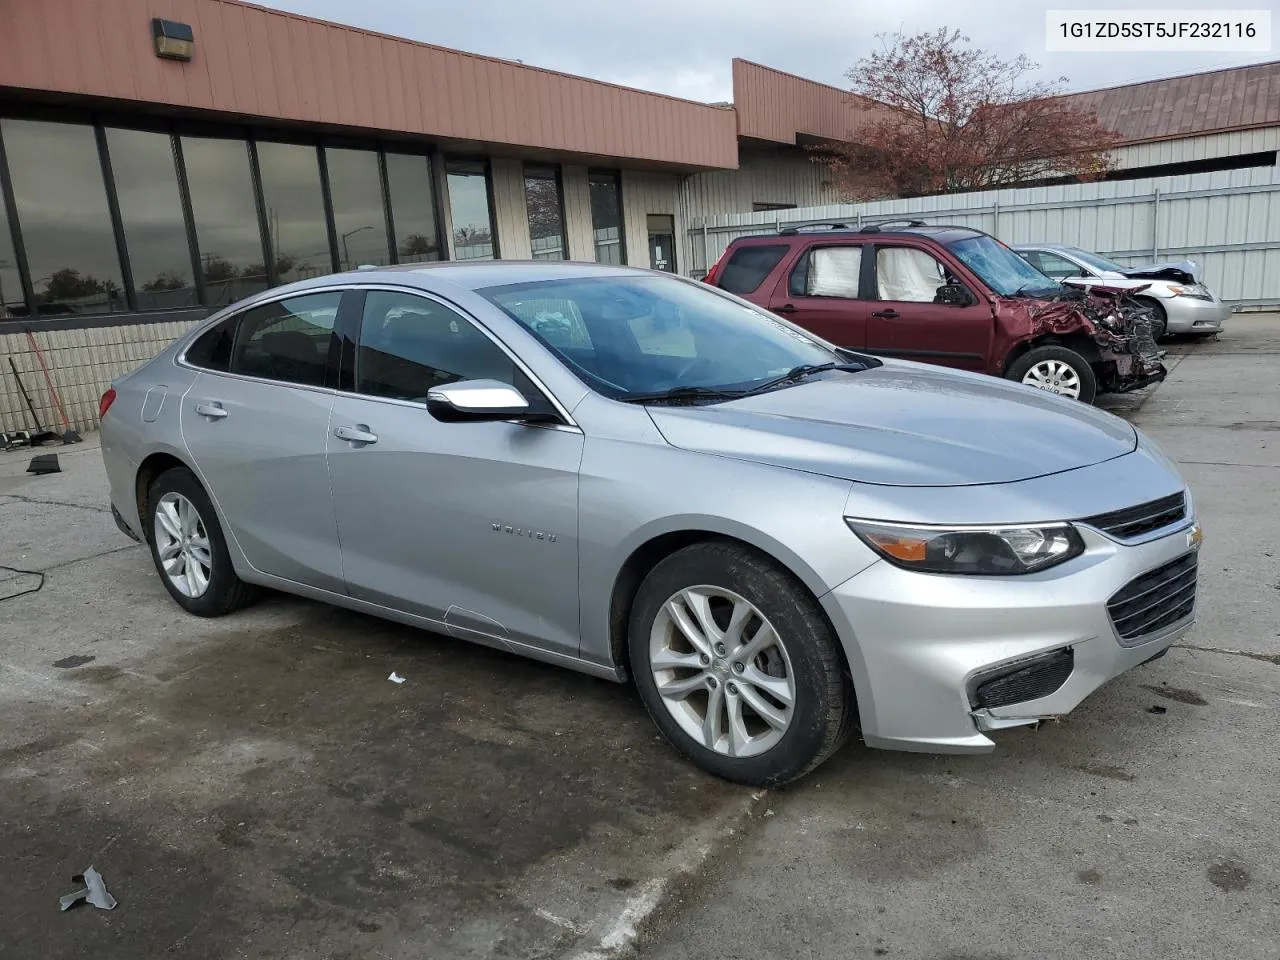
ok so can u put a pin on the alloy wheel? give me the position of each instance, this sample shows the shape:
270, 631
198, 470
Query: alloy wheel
1054, 376
722, 671
182, 544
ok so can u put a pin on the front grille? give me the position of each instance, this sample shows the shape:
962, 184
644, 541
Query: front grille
1135, 521
1031, 681
1155, 600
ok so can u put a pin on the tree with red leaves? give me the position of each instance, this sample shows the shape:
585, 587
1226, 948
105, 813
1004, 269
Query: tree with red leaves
946, 117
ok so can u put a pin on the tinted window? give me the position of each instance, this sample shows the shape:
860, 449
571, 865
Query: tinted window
413, 207
828, 272
62, 206
606, 217
409, 344
154, 230
748, 266
908, 275
299, 240
226, 216
212, 349
287, 340
358, 214
546, 220
469, 208
648, 334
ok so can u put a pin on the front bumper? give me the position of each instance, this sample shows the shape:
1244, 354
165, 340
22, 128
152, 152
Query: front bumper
1192, 315
920, 645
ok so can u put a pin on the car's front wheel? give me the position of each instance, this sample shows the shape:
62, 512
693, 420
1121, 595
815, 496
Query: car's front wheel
738, 666
189, 550
1057, 370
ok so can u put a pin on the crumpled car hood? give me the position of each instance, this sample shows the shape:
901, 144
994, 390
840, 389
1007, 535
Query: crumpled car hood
904, 424
1183, 271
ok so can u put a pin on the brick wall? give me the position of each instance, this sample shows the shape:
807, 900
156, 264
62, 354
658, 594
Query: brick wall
81, 363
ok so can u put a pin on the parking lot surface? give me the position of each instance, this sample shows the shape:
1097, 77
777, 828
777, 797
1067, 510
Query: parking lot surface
256, 787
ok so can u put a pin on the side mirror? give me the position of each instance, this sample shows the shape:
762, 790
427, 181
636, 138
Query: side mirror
956, 294
476, 401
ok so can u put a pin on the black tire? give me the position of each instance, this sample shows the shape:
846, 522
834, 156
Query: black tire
1036, 355
823, 711
226, 592
1159, 319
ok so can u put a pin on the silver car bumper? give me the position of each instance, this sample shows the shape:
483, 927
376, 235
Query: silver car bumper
1192, 315
922, 644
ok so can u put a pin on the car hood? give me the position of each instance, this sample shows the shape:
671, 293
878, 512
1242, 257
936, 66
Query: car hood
903, 424
1183, 271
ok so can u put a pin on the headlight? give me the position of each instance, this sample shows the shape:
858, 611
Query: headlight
986, 551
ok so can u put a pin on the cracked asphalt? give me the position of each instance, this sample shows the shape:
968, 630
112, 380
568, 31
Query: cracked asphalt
255, 787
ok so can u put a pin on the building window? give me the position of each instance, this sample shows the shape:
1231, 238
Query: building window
469, 207
296, 228
606, 217
760, 206
12, 299
413, 207
226, 217
155, 232
61, 205
359, 216
546, 213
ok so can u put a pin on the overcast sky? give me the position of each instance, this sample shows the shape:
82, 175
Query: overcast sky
683, 47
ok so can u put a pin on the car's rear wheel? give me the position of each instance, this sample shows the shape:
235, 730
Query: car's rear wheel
1057, 370
189, 550
737, 665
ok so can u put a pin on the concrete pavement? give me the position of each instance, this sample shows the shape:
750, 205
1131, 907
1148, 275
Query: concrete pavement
1141, 826
255, 787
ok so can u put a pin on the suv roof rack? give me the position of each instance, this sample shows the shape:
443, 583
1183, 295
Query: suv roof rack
825, 224
877, 227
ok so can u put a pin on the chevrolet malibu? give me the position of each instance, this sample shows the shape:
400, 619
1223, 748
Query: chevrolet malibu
642, 477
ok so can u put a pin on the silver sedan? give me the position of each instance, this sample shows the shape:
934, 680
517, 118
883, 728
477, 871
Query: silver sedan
1180, 304
642, 477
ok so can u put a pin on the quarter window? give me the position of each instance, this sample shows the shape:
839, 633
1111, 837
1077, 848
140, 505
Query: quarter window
287, 340
748, 266
212, 349
907, 275
409, 344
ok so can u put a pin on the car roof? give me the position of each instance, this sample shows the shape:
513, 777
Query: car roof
943, 233
1060, 247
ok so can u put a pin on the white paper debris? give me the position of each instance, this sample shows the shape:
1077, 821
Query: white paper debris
395, 677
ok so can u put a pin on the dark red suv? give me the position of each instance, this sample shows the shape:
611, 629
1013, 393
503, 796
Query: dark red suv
948, 295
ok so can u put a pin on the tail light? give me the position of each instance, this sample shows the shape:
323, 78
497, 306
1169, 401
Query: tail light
105, 403
714, 273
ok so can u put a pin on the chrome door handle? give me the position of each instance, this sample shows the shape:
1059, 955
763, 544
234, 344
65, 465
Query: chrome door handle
212, 410
357, 434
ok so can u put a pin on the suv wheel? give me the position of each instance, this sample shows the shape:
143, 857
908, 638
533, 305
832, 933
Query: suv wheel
1058, 370
737, 665
189, 550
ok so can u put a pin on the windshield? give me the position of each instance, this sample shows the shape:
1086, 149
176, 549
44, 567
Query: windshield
1095, 261
1000, 268
635, 336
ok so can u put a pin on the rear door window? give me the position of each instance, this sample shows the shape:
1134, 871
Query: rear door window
748, 266
288, 340
828, 272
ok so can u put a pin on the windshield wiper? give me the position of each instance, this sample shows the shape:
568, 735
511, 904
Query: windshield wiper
796, 374
683, 395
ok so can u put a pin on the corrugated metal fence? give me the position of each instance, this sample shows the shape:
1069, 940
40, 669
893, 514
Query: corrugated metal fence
1228, 222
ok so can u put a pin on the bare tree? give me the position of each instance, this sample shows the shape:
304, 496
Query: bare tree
946, 117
